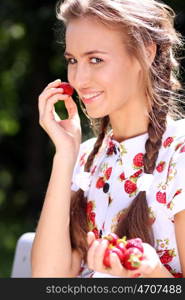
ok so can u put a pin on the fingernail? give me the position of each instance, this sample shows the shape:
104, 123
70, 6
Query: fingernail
136, 275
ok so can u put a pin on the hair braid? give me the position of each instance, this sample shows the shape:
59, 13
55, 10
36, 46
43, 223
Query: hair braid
135, 223
103, 126
79, 201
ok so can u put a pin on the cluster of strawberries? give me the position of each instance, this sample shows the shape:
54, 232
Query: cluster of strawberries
130, 252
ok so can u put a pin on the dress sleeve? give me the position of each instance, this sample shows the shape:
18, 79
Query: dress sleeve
176, 182
85, 149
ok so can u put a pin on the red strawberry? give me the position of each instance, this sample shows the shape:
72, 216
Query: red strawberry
178, 146
122, 176
135, 243
93, 170
182, 149
177, 192
108, 173
89, 207
82, 160
136, 174
106, 258
130, 187
96, 232
161, 197
92, 216
120, 244
138, 160
132, 258
160, 166
168, 267
112, 238
168, 142
167, 256
68, 89
111, 148
112, 249
100, 183
178, 275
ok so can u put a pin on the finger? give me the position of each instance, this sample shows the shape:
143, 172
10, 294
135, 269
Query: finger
46, 95
136, 275
90, 238
91, 253
116, 266
71, 107
54, 83
48, 113
118, 269
100, 252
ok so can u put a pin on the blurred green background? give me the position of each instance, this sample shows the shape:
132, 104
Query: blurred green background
30, 57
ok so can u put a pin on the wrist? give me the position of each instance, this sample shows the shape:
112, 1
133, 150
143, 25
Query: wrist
65, 157
63, 162
160, 272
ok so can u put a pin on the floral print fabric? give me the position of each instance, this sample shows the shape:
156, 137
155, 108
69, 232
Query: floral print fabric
113, 186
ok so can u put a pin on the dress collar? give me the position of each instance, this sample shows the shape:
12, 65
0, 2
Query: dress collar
111, 143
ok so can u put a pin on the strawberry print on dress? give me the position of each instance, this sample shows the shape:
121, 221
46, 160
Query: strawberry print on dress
114, 174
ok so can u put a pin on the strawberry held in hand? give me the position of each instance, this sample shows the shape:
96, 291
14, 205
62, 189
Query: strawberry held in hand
68, 89
130, 252
112, 249
135, 243
132, 258
112, 238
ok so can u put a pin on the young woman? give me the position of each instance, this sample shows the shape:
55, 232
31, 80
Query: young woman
129, 178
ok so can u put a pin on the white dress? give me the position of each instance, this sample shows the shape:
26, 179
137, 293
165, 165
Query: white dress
113, 185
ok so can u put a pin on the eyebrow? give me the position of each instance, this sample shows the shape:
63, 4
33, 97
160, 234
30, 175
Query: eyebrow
86, 53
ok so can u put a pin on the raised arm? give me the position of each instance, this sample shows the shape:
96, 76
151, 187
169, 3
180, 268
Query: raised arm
52, 255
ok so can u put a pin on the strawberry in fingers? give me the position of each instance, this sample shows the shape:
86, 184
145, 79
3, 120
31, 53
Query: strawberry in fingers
67, 88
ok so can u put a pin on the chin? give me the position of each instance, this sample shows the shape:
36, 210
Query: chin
97, 115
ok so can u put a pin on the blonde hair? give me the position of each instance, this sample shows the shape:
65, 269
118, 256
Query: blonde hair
144, 22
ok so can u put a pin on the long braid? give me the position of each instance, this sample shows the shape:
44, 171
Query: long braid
135, 223
103, 126
78, 232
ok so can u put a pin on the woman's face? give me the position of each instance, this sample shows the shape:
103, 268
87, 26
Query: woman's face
105, 76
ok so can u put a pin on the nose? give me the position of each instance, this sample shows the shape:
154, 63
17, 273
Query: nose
80, 76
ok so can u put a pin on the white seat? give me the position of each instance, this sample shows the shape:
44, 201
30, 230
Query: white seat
22, 257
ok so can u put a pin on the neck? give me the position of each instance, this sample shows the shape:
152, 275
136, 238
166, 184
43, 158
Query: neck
129, 122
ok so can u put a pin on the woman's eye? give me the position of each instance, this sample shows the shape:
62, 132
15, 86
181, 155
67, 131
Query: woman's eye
96, 60
93, 60
70, 61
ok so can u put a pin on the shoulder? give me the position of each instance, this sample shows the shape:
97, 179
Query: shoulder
85, 149
87, 146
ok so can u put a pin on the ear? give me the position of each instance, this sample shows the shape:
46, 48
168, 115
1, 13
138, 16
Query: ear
151, 52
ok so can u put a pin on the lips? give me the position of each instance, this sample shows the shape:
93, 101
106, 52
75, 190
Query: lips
90, 99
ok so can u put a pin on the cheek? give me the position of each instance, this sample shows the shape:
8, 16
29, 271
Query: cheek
69, 76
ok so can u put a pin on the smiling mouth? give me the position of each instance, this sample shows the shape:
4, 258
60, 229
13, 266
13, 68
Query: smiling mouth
91, 99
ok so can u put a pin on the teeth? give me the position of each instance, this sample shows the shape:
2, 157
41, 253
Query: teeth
90, 95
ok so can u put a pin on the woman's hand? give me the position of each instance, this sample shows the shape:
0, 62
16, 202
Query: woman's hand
65, 134
96, 252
